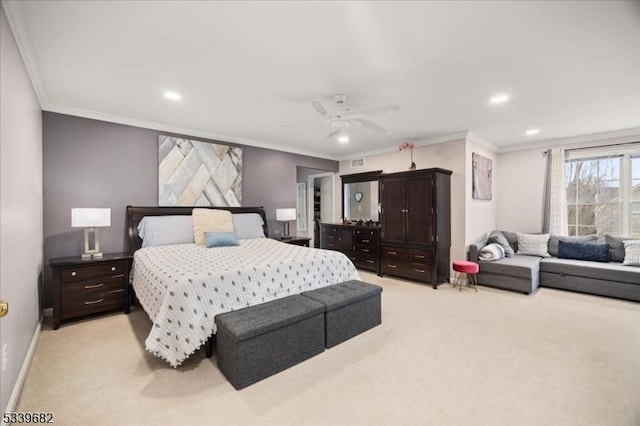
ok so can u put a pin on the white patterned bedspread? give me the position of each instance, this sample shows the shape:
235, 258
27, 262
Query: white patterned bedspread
184, 286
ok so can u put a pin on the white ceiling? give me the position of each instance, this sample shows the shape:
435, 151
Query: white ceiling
248, 69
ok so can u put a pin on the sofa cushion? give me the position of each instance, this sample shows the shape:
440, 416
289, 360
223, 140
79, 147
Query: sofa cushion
596, 270
516, 266
583, 251
616, 246
555, 239
533, 244
497, 237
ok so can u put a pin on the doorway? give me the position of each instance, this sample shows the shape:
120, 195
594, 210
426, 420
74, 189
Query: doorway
320, 204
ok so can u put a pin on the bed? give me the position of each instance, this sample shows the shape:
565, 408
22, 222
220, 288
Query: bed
182, 287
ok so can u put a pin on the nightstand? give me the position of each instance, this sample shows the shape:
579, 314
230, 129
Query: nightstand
85, 287
298, 241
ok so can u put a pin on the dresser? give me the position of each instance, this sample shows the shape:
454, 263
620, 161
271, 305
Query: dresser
84, 287
416, 225
361, 243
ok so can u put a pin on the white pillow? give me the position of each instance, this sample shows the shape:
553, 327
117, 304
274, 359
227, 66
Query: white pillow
210, 220
163, 230
533, 244
631, 253
248, 225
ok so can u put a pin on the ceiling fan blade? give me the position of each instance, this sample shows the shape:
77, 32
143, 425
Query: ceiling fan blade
369, 125
371, 110
320, 109
301, 125
332, 134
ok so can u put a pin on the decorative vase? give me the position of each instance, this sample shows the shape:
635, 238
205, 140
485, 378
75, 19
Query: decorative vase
413, 165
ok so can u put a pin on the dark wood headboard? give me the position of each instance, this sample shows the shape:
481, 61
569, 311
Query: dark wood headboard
135, 215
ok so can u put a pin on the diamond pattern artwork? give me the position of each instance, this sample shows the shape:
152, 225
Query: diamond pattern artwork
193, 173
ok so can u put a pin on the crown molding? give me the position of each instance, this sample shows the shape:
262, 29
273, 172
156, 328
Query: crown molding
448, 138
186, 131
622, 136
25, 49
473, 137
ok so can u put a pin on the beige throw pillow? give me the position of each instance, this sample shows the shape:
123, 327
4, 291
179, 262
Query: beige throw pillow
210, 220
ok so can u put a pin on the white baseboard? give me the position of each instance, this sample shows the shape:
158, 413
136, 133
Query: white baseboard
17, 388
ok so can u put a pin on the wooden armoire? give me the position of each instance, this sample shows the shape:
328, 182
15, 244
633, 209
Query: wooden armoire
416, 225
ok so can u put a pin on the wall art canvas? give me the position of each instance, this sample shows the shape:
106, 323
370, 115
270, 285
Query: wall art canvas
194, 173
482, 170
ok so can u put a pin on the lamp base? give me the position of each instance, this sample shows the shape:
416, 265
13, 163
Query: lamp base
87, 256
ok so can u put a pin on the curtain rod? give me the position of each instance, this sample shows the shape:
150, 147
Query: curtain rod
546, 151
601, 146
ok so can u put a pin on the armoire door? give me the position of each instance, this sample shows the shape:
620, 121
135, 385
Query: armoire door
419, 214
393, 211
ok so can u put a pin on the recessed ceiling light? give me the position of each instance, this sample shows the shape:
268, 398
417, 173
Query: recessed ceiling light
173, 96
499, 99
532, 132
343, 138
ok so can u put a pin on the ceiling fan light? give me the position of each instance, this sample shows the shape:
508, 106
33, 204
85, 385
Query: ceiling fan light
340, 124
343, 138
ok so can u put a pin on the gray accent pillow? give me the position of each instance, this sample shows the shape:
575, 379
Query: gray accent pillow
248, 225
498, 237
554, 241
616, 246
512, 237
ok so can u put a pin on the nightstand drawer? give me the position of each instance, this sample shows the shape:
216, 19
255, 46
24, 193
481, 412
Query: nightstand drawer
96, 286
91, 303
82, 272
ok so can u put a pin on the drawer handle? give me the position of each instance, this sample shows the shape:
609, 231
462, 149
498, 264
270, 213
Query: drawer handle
365, 250
419, 256
391, 252
371, 261
73, 274
419, 270
93, 286
93, 302
365, 241
113, 268
392, 266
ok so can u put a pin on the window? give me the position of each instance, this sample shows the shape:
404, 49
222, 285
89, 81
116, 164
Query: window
603, 192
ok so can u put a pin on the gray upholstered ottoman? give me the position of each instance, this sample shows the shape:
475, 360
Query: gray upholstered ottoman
256, 342
352, 307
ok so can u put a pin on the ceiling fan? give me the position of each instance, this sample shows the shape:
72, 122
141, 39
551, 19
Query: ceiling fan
344, 117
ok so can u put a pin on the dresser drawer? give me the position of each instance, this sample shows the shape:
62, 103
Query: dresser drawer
367, 233
82, 272
406, 269
366, 240
407, 255
367, 250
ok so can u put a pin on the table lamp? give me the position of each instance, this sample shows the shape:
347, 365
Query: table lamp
90, 219
285, 215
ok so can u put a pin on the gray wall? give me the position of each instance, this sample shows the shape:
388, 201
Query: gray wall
91, 163
20, 210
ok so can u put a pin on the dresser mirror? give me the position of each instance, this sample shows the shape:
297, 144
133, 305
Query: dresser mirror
360, 198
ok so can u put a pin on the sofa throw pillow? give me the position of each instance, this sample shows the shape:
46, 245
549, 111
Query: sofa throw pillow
616, 246
555, 239
512, 237
533, 244
210, 220
220, 239
491, 252
583, 251
497, 237
631, 253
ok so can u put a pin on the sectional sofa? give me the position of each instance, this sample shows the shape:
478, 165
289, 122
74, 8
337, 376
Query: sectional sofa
526, 273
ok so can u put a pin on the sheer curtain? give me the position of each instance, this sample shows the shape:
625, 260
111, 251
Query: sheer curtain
555, 196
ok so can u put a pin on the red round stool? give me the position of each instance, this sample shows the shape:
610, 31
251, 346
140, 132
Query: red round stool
466, 271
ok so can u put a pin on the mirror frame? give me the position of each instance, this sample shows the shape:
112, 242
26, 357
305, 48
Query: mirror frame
358, 177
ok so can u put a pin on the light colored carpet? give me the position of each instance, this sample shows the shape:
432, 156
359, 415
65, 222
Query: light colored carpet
440, 357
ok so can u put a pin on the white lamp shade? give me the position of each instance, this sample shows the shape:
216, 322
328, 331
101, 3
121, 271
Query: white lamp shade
87, 218
285, 214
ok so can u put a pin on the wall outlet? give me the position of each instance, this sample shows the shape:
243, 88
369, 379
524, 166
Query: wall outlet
4, 357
